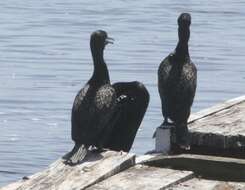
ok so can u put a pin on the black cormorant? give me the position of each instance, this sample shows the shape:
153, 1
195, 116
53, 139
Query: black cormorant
133, 99
104, 115
177, 77
94, 104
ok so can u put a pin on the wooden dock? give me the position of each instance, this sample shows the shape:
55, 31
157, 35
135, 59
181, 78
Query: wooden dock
215, 162
64, 177
202, 184
220, 129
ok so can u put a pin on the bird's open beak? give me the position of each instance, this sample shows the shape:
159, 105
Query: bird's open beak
109, 40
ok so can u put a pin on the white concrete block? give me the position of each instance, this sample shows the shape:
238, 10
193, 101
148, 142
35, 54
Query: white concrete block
163, 136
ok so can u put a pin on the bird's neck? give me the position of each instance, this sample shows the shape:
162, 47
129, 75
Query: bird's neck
182, 49
100, 74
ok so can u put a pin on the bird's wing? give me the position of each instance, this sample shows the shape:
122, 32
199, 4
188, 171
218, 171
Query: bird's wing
132, 101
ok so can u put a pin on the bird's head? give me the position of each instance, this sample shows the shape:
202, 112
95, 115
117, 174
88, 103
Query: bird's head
99, 39
184, 20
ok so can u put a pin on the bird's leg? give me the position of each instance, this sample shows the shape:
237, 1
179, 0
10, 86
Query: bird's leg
166, 123
165, 113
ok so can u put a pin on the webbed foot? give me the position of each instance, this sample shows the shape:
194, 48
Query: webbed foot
166, 124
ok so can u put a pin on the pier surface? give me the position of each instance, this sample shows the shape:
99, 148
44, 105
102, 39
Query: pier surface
220, 127
203, 184
64, 177
215, 162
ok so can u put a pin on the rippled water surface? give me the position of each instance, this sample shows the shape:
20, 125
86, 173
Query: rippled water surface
45, 59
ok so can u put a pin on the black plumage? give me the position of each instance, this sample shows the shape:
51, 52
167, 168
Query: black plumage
177, 78
105, 115
132, 100
94, 104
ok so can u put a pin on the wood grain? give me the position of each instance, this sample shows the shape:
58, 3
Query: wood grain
59, 176
202, 184
143, 177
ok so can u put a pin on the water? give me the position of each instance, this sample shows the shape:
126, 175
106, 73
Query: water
45, 59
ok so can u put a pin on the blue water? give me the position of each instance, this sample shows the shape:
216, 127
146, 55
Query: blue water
45, 59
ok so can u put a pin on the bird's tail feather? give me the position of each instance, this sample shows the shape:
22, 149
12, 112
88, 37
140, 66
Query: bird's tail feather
77, 154
182, 136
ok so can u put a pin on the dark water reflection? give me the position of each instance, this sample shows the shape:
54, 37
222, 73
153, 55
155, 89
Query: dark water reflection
45, 60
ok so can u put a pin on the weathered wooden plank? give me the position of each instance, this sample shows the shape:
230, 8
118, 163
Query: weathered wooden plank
143, 158
60, 176
202, 184
212, 167
219, 130
220, 127
222, 121
216, 108
143, 177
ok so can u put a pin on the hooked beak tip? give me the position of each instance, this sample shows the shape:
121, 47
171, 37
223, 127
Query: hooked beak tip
109, 40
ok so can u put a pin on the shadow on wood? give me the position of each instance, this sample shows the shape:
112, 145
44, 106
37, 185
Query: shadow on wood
209, 167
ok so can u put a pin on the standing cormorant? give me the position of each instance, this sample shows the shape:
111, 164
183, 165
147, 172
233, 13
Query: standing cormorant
177, 77
104, 115
94, 104
133, 99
